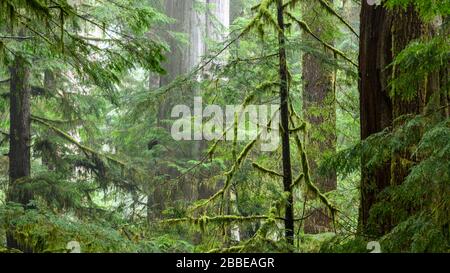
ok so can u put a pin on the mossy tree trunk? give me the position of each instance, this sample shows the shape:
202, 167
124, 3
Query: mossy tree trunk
319, 109
384, 34
375, 103
406, 27
284, 116
20, 138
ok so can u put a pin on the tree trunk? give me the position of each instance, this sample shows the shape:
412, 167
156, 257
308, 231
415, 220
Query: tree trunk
384, 34
319, 97
284, 116
375, 104
198, 28
408, 26
19, 151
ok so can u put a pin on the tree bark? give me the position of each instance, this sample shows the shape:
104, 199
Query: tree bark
384, 34
20, 136
198, 28
284, 116
408, 26
319, 96
375, 103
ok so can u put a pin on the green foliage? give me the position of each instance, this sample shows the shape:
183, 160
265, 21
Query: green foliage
419, 206
107, 174
418, 234
428, 9
416, 62
344, 244
44, 231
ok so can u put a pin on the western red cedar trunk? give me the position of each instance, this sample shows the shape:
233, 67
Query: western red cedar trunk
19, 149
375, 104
284, 116
320, 111
406, 27
384, 34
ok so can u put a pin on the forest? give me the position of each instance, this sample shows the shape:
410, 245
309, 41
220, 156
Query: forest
224, 126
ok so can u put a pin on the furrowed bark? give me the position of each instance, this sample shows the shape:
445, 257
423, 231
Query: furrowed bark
384, 34
19, 140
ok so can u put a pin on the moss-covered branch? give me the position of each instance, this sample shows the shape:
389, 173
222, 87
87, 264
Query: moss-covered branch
229, 175
306, 173
331, 10
308, 30
265, 170
220, 219
72, 140
297, 181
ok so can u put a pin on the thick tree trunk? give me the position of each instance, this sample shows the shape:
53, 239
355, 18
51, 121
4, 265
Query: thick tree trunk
19, 151
190, 22
284, 116
199, 27
375, 104
319, 97
182, 58
408, 26
384, 34
217, 20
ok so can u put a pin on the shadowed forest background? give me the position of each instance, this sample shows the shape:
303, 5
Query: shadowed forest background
87, 88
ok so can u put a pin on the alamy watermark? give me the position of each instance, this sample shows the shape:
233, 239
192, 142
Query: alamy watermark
217, 123
373, 2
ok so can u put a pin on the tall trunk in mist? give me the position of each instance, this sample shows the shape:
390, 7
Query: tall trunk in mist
180, 60
319, 97
182, 57
284, 116
233, 232
383, 35
20, 136
199, 28
217, 21
199, 21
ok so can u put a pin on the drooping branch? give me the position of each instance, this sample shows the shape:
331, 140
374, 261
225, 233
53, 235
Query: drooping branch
328, 7
331, 10
236, 164
212, 149
308, 30
55, 121
6, 137
229, 174
302, 128
265, 170
297, 181
35, 90
70, 139
306, 174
